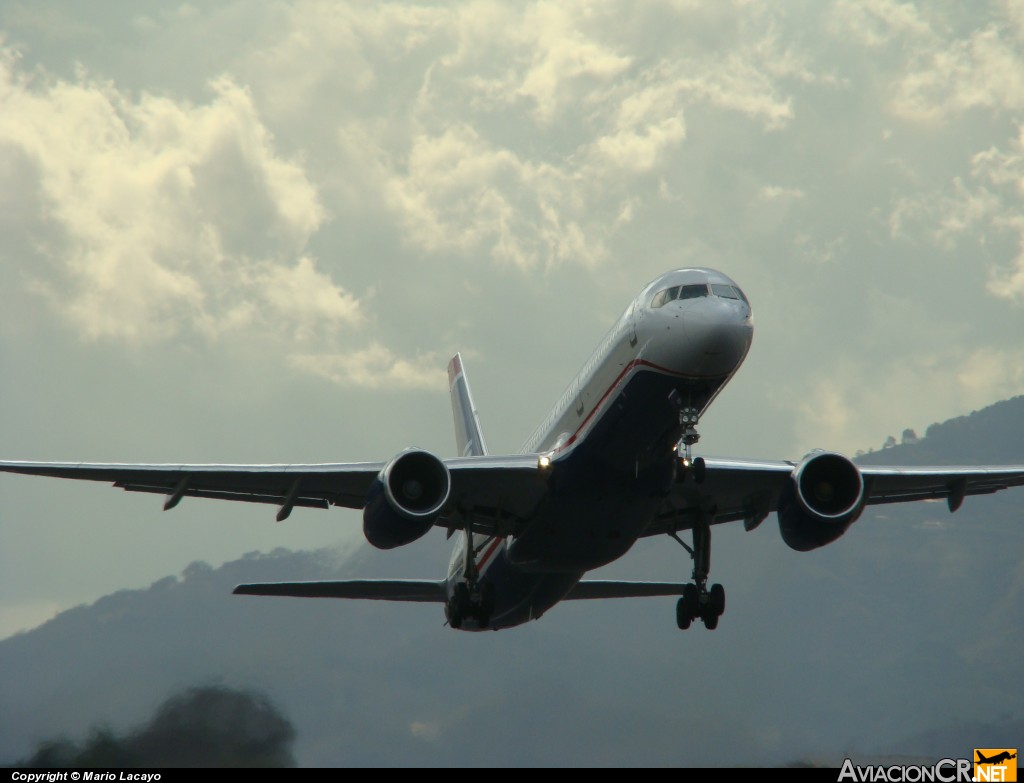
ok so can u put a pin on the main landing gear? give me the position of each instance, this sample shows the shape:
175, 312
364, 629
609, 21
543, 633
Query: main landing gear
698, 601
470, 598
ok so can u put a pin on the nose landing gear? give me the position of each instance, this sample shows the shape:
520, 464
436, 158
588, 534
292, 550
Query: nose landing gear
688, 418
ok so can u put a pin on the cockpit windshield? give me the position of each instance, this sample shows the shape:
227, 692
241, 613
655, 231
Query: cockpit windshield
695, 291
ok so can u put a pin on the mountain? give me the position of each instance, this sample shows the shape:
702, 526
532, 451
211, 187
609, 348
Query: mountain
902, 637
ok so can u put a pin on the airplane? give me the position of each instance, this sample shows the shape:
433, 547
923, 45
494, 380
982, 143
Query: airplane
996, 759
610, 464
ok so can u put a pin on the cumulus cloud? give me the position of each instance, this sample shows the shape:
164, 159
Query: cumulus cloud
985, 202
376, 366
878, 22
596, 115
913, 391
145, 218
154, 203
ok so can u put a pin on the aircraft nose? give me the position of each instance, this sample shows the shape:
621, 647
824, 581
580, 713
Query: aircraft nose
716, 335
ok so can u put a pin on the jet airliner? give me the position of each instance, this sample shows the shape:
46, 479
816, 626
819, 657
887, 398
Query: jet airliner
612, 463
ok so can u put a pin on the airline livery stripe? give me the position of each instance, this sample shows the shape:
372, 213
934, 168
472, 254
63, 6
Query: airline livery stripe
490, 551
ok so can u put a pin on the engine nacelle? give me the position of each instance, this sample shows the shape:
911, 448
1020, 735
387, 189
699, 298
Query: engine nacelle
405, 499
822, 498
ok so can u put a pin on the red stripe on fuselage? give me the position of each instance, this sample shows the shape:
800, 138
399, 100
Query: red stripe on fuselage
487, 554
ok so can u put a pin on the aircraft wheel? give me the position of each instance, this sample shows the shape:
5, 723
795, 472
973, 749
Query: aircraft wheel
458, 605
486, 603
461, 598
691, 599
454, 615
710, 621
683, 618
700, 470
716, 601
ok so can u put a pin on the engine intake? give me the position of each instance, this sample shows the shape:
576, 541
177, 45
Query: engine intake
405, 499
823, 497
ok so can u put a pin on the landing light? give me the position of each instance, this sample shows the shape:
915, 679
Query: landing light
543, 462
686, 462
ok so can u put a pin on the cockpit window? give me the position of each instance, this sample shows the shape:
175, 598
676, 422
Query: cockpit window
679, 292
664, 296
727, 291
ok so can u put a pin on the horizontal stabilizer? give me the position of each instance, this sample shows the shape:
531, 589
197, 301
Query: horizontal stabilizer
596, 589
414, 590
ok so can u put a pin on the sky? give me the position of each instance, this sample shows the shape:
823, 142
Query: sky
256, 233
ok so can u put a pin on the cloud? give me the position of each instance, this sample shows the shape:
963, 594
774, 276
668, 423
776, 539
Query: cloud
376, 367
1005, 173
981, 205
530, 129
152, 206
875, 23
142, 219
910, 392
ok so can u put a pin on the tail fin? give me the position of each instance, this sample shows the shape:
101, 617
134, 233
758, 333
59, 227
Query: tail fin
468, 437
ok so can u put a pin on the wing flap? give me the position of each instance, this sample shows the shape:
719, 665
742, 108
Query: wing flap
212, 494
409, 590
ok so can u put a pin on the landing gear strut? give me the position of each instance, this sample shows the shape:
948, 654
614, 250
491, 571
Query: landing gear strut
470, 598
698, 601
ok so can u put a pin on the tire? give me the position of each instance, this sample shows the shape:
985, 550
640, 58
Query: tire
691, 599
700, 470
717, 602
710, 621
683, 618
487, 601
454, 616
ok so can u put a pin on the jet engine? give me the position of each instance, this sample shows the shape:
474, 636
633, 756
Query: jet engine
822, 498
405, 499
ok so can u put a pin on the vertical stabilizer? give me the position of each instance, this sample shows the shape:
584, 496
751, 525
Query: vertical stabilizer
468, 437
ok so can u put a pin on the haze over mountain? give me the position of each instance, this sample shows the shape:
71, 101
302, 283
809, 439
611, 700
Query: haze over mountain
904, 636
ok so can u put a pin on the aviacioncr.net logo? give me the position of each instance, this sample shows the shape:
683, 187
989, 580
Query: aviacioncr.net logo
995, 765
945, 771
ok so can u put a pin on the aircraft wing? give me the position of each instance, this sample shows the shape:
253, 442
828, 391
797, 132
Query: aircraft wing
500, 490
749, 490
